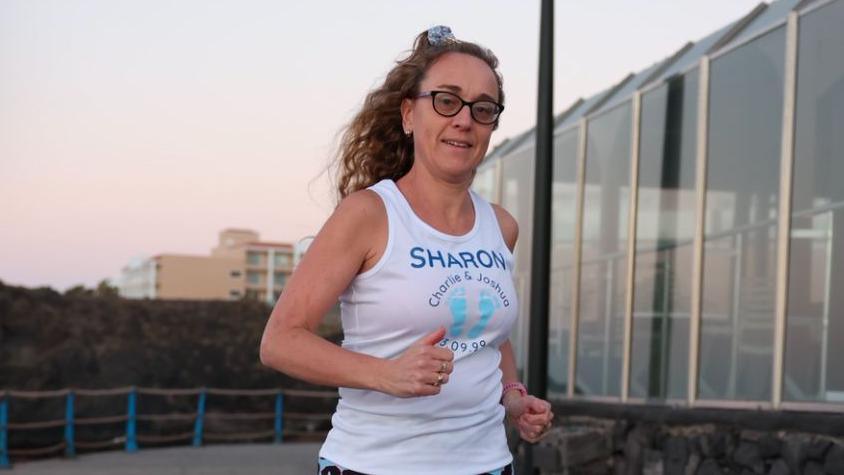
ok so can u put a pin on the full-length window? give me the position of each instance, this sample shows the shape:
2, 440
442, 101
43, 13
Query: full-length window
815, 318
665, 230
517, 198
604, 257
485, 183
563, 214
740, 235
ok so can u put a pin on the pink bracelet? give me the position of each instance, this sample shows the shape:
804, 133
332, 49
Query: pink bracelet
515, 385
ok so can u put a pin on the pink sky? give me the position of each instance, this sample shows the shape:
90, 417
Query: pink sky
141, 127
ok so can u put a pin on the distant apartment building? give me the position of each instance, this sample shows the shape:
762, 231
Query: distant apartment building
240, 266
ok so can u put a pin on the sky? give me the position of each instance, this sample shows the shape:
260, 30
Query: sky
130, 128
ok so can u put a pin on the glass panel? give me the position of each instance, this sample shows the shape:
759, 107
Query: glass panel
485, 183
563, 216
665, 230
775, 12
815, 322
740, 241
517, 198
604, 256
253, 277
279, 279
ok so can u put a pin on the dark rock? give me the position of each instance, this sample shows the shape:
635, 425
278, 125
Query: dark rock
794, 451
676, 448
674, 467
547, 457
647, 432
619, 435
619, 465
779, 468
597, 467
817, 449
747, 456
715, 444
638, 439
660, 438
770, 446
732, 444
581, 447
676, 453
692, 464
751, 435
813, 468
835, 460
709, 467
695, 442
652, 463
712, 445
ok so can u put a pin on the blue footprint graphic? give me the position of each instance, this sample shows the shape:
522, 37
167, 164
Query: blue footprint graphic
486, 305
457, 305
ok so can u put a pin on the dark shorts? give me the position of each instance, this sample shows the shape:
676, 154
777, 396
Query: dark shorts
327, 467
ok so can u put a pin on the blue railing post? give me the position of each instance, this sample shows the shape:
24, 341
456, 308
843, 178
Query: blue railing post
279, 423
200, 415
69, 448
4, 438
131, 421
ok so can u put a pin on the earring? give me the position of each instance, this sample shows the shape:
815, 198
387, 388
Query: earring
408, 133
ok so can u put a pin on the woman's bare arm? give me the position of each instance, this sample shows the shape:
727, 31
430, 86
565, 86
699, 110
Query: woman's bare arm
510, 233
353, 236
531, 416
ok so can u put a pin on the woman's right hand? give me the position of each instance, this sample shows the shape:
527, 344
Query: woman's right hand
420, 370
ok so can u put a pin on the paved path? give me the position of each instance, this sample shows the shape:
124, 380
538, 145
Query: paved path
242, 459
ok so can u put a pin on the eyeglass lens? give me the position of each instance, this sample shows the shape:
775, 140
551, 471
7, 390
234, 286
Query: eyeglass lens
485, 112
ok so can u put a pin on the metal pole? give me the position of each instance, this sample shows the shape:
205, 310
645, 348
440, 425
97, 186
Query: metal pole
279, 421
541, 250
69, 448
200, 417
131, 421
4, 435
543, 179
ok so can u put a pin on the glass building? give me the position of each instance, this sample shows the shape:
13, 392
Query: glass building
697, 234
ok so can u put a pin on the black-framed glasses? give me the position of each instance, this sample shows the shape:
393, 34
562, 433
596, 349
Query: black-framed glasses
449, 104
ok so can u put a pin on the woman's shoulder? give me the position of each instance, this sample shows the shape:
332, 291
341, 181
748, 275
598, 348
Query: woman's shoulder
363, 215
365, 207
357, 227
508, 224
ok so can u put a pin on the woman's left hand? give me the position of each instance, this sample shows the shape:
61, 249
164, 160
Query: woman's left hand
531, 416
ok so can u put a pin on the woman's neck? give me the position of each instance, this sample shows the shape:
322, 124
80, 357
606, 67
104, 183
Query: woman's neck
445, 206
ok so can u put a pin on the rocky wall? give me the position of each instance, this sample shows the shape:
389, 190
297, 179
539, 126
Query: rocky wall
588, 445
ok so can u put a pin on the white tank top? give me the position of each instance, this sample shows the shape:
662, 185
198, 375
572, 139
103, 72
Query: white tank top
427, 279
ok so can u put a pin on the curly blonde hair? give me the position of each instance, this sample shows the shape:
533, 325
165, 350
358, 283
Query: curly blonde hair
373, 145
